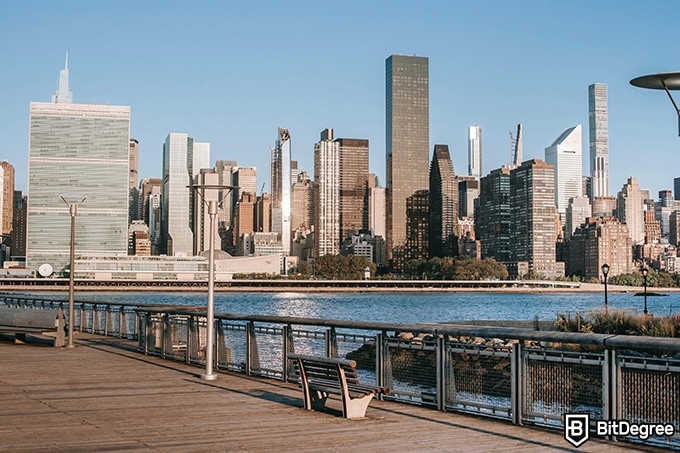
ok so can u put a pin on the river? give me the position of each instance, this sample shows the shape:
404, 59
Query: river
401, 307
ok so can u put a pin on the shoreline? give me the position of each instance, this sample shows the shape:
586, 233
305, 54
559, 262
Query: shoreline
583, 288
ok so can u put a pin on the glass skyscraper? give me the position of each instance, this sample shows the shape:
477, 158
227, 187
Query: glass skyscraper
599, 139
77, 148
407, 127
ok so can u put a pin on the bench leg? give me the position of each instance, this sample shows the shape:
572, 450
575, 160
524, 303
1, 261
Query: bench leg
19, 338
317, 400
355, 408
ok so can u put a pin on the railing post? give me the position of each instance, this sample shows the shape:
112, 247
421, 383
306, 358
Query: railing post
383, 364
331, 343
516, 382
192, 339
288, 347
252, 353
95, 318
442, 367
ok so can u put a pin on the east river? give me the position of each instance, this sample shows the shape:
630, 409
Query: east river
399, 307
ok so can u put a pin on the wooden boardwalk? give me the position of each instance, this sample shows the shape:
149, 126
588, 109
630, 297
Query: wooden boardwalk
106, 396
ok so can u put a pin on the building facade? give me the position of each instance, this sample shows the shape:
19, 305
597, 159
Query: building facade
407, 140
493, 217
353, 168
417, 227
630, 209
326, 195
475, 151
443, 207
578, 211
598, 122
565, 155
532, 227
6, 197
596, 242
180, 167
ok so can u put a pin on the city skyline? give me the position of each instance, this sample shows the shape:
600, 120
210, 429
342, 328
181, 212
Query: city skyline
227, 93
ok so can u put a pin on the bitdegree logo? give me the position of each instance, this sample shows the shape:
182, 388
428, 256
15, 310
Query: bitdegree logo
577, 429
642, 431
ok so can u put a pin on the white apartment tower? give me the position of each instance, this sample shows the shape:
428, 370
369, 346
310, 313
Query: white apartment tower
327, 195
599, 139
566, 156
76, 150
475, 151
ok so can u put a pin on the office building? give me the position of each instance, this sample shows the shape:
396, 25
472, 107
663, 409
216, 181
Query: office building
134, 209
326, 195
493, 216
263, 213
302, 204
532, 227
630, 209
147, 187
76, 150
407, 140
578, 211
183, 159
18, 243
6, 197
417, 228
280, 185
443, 206
475, 151
377, 205
468, 193
598, 139
596, 242
353, 180
564, 154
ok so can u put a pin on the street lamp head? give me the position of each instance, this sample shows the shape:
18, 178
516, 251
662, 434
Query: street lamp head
645, 271
72, 198
605, 269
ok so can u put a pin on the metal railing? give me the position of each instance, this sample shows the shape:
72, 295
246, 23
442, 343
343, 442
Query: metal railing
521, 375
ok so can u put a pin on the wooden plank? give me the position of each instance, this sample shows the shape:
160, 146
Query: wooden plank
104, 395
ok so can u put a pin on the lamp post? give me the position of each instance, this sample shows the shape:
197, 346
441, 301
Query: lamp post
645, 271
664, 81
72, 200
605, 272
209, 374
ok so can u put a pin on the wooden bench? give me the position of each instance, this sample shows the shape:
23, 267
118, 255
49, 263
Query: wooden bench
321, 376
20, 322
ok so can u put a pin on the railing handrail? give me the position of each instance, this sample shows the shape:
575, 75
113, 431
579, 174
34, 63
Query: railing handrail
454, 330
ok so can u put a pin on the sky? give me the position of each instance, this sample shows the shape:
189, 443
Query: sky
230, 73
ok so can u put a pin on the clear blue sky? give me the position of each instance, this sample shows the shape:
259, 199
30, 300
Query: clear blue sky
231, 72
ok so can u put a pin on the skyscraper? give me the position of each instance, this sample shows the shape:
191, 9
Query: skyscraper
532, 226
565, 155
407, 139
353, 179
443, 204
81, 148
630, 210
475, 151
599, 139
493, 217
134, 209
326, 195
280, 184
6, 197
182, 161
